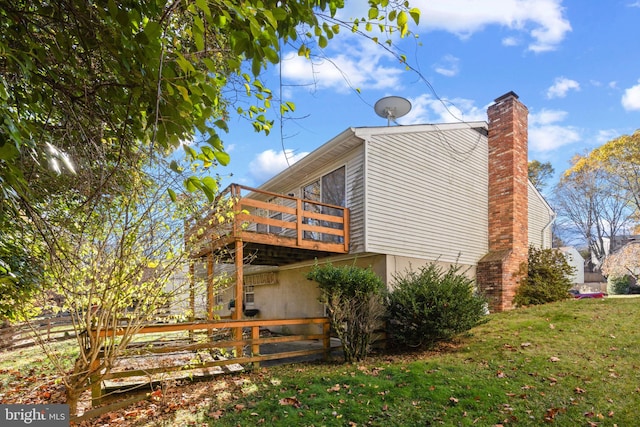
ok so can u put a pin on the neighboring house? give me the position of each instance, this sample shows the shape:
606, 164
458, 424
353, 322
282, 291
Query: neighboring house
575, 260
394, 199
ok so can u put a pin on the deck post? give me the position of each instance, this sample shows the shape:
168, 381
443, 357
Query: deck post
299, 218
210, 296
326, 340
237, 314
255, 347
239, 262
345, 229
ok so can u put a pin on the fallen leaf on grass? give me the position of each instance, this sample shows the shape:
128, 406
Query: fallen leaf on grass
551, 413
290, 401
131, 414
453, 400
509, 347
579, 390
156, 395
215, 414
554, 359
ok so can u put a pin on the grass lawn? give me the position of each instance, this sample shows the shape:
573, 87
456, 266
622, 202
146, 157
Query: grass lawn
574, 363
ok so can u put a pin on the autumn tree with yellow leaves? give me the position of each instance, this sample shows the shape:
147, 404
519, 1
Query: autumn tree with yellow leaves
599, 196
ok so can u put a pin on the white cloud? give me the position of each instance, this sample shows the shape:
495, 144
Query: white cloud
542, 20
510, 41
546, 117
561, 86
268, 163
606, 135
427, 109
448, 66
634, 4
631, 98
546, 135
358, 65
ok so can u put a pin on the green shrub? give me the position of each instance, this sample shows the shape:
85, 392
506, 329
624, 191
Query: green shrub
618, 285
432, 305
354, 298
546, 278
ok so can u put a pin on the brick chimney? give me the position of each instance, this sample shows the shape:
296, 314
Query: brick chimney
497, 272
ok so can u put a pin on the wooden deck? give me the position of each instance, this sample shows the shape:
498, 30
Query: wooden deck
276, 229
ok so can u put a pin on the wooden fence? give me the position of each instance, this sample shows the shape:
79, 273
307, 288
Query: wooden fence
23, 335
203, 336
247, 350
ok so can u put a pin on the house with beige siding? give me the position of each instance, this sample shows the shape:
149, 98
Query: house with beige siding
390, 198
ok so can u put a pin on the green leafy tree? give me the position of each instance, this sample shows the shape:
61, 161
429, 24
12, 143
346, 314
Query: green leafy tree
88, 89
539, 173
546, 278
354, 298
21, 265
83, 84
433, 305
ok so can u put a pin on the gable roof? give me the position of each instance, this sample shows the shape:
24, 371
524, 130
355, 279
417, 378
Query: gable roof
346, 141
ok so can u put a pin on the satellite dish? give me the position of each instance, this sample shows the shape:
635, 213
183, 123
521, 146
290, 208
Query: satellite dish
392, 107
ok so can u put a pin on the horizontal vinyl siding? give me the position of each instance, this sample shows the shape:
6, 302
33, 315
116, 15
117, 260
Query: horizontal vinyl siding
539, 217
427, 195
355, 199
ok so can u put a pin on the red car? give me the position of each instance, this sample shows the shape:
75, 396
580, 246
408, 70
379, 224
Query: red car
578, 295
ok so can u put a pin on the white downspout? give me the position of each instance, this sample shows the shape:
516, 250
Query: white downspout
544, 229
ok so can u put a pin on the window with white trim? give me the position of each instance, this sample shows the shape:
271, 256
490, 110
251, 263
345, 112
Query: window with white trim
249, 295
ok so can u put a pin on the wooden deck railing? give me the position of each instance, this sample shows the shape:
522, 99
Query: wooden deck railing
274, 219
252, 344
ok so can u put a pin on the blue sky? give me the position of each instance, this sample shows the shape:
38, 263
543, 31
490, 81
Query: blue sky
575, 64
